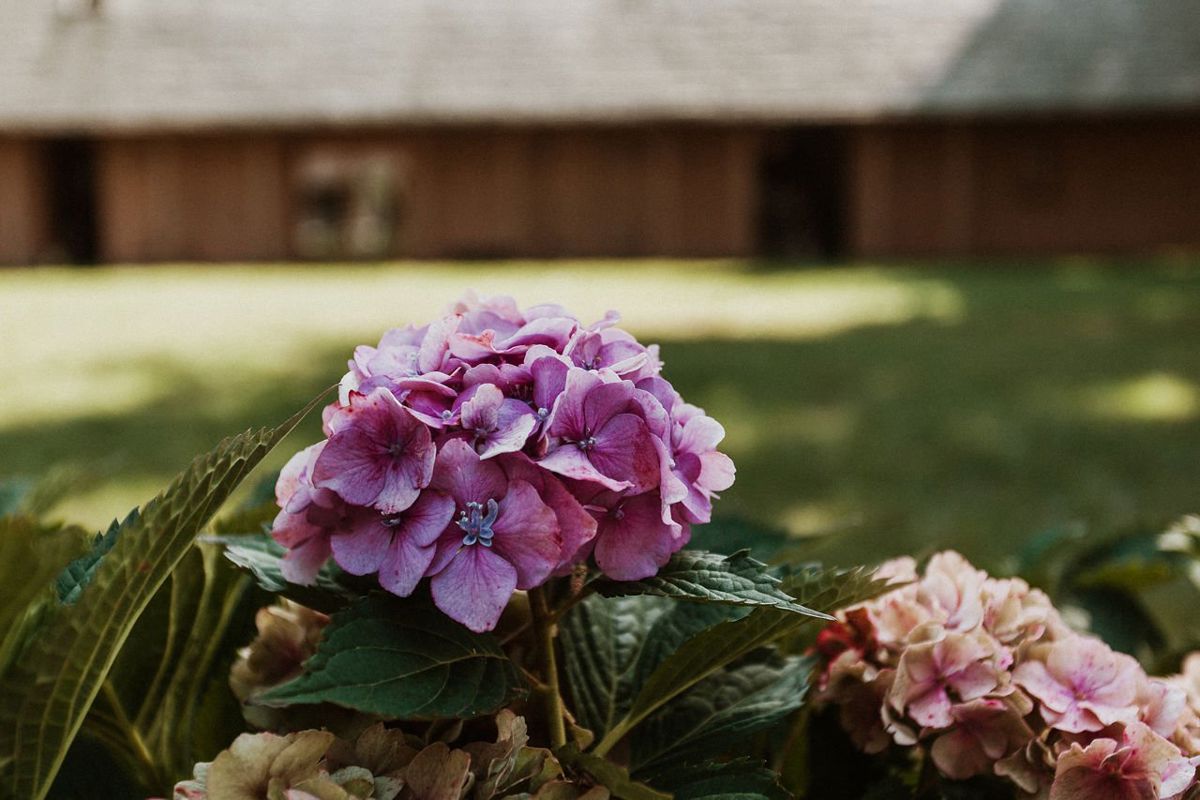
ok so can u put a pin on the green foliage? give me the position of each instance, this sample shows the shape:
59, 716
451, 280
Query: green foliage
740, 779
262, 557
719, 714
833, 587
31, 553
403, 660
701, 656
1133, 585
45, 695
704, 577
78, 574
612, 645
611, 776
727, 641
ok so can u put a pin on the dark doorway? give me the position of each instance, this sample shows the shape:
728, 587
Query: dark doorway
71, 168
803, 180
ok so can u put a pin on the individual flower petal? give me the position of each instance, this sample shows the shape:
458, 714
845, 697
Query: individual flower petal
474, 587
1081, 683
526, 535
632, 541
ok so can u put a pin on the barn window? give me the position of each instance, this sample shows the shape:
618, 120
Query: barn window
348, 206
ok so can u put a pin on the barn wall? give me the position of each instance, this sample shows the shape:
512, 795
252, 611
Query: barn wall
23, 203
192, 198
464, 192
1035, 187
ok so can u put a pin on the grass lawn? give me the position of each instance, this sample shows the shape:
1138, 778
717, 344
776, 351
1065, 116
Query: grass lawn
903, 407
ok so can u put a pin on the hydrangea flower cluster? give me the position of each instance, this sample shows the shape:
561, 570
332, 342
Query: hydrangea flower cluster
494, 448
985, 674
383, 764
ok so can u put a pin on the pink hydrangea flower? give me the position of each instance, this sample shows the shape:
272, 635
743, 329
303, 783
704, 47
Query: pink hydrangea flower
1136, 765
984, 674
400, 547
983, 731
1081, 684
934, 675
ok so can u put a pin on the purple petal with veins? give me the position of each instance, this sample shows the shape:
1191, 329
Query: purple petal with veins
382, 457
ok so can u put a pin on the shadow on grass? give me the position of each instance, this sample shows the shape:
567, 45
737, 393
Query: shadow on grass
1056, 397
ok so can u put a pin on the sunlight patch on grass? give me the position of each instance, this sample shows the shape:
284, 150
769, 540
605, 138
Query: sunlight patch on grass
1154, 397
810, 520
77, 340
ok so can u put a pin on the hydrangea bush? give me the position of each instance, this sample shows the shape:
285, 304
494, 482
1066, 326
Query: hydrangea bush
498, 575
986, 677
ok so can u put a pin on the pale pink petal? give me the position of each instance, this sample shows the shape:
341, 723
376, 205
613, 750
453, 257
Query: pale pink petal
717, 472
515, 422
303, 562
701, 435
480, 407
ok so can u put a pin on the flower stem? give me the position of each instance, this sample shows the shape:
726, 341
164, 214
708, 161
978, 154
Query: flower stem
545, 630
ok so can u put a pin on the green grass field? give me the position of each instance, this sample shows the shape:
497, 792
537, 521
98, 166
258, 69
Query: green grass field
900, 407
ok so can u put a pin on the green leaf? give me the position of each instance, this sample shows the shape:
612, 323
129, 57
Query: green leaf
701, 656
78, 574
262, 557
30, 555
45, 696
613, 777
705, 577
162, 691
740, 779
832, 588
722, 644
611, 645
402, 660
717, 714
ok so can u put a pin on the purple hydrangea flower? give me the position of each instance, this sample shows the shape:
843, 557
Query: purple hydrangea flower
400, 547
379, 454
493, 448
503, 538
598, 433
495, 424
632, 540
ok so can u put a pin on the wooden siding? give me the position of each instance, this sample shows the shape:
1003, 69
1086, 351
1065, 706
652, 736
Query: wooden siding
465, 193
1033, 187
23, 202
205, 199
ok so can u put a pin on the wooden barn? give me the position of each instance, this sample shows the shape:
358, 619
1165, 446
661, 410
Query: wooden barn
149, 130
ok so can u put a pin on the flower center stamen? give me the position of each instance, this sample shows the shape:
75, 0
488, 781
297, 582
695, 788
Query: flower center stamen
476, 523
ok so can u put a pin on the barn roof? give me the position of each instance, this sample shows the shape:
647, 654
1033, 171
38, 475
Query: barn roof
161, 64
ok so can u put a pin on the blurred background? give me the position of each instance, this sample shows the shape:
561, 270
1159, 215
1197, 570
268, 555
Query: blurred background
936, 266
